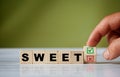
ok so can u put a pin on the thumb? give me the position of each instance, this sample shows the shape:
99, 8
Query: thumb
113, 50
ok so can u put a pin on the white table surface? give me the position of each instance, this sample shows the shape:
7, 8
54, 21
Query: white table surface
10, 67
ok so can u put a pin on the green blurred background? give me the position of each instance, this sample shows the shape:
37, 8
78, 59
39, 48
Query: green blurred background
51, 23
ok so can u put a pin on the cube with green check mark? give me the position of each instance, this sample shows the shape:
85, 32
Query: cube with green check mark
90, 50
89, 54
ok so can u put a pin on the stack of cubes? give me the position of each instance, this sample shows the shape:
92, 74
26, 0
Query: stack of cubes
89, 54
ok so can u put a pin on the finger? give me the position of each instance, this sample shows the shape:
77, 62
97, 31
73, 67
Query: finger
113, 50
108, 24
113, 35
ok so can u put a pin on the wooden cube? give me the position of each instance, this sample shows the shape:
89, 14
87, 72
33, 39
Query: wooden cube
26, 57
77, 57
89, 50
89, 54
39, 57
52, 57
64, 57
90, 58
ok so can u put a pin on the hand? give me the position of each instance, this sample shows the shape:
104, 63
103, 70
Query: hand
109, 27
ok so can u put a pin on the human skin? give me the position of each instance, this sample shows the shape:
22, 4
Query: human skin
109, 26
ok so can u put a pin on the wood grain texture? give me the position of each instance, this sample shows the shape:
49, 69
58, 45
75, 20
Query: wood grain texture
52, 57
26, 56
64, 57
77, 57
39, 57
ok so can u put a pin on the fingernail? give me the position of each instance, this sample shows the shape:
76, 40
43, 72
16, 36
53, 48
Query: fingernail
107, 55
